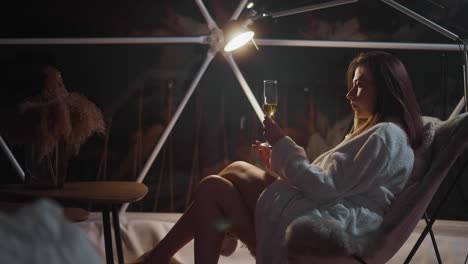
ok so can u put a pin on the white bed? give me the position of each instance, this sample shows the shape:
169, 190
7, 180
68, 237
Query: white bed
39, 233
142, 230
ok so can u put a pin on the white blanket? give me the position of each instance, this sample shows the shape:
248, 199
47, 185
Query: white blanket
39, 233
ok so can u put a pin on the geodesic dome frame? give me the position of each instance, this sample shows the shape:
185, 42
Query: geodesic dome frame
215, 41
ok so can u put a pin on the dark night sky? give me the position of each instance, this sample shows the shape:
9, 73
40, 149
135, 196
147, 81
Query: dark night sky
53, 18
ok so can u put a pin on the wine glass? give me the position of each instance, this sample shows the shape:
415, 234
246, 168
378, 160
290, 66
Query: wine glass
270, 100
270, 97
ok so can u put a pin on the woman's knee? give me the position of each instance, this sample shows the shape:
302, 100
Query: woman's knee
236, 167
212, 185
246, 176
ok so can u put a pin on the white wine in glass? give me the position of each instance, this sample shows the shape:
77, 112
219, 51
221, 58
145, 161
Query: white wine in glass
270, 101
270, 97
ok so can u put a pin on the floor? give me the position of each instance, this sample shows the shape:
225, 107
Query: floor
142, 230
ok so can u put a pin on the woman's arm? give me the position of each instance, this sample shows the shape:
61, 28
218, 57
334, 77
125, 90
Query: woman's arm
348, 171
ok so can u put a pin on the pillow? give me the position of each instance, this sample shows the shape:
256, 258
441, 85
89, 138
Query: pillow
39, 233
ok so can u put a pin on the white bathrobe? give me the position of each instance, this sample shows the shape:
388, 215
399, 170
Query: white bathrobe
343, 193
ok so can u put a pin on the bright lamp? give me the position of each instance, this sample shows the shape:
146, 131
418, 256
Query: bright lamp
239, 40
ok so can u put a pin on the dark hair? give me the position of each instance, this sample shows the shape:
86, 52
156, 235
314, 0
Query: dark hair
395, 91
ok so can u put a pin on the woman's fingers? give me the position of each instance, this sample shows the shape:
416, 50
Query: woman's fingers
263, 152
257, 147
268, 121
272, 132
262, 147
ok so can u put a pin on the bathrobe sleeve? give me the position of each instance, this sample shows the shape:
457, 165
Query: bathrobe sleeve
355, 167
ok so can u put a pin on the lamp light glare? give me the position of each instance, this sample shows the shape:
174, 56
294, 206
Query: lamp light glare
250, 5
239, 41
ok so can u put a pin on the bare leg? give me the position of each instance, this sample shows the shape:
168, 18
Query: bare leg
249, 180
218, 213
179, 235
231, 198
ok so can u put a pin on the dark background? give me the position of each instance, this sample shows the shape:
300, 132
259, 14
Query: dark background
132, 84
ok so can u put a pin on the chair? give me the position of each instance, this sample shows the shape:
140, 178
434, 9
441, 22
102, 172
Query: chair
450, 140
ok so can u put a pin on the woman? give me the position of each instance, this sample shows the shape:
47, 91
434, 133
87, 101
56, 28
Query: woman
340, 197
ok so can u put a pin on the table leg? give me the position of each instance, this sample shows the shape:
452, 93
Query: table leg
118, 240
107, 236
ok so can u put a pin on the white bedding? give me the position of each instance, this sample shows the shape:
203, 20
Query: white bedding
141, 230
39, 233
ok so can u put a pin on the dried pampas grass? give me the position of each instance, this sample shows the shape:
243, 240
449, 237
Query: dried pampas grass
42, 121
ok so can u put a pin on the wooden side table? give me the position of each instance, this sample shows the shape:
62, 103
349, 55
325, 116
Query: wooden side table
105, 195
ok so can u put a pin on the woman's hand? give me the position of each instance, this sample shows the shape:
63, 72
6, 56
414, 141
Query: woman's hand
271, 131
264, 152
